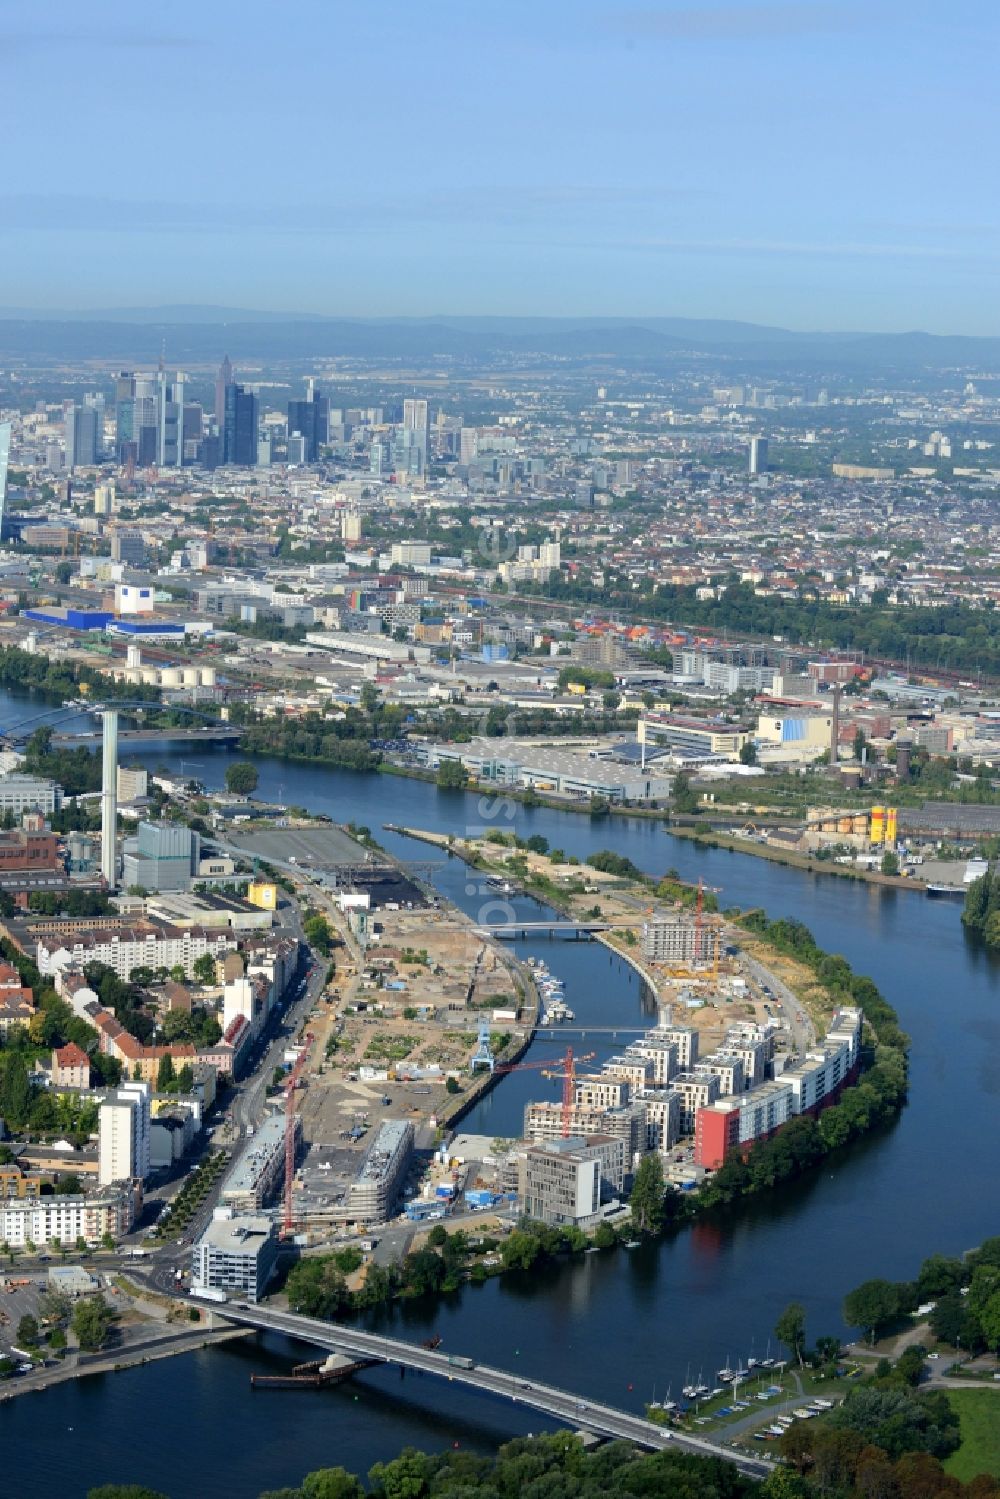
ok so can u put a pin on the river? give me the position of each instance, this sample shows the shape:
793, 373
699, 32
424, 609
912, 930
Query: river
617, 1326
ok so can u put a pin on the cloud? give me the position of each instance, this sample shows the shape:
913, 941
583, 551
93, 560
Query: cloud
554, 203
725, 23
14, 42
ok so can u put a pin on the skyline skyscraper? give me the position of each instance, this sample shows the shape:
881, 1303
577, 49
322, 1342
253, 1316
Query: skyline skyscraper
411, 445
225, 378
311, 419
239, 444
169, 420
80, 436
758, 455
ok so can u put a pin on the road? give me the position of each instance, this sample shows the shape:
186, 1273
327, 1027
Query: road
802, 1032
563, 1405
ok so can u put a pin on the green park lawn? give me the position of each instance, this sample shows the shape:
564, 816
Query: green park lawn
979, 1412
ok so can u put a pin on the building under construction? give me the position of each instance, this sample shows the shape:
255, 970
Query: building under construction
257, 1173
672, 938
373, 1192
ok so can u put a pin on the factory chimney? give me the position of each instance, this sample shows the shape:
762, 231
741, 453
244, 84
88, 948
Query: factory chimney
109, 798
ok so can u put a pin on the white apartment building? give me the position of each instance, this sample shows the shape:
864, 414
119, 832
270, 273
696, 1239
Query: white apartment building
660, 1053
140, 946
43, 1220
123, 1134
236, 1253
663, 1118
696, 1092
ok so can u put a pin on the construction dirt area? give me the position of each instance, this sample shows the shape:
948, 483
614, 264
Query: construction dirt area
710, 995
395, 1039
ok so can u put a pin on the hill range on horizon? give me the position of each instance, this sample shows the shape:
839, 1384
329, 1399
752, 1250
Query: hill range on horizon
203, 332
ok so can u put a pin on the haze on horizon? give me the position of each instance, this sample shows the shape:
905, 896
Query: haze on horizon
817, 164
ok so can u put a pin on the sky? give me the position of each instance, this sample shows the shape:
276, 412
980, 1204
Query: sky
818, 164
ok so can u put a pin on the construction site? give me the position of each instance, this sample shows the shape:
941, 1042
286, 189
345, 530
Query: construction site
421, 1011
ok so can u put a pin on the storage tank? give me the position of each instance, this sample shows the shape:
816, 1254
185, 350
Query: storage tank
208, 676
190, 676
150, 674
878, 825
133, 656
891, 823
171, 676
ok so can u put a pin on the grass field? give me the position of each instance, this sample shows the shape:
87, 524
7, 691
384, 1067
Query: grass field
979, 1412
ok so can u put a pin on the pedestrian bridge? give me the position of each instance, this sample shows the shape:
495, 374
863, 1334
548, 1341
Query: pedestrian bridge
563, 1405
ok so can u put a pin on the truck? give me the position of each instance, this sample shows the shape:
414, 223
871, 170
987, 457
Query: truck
460, 1361
207, 1293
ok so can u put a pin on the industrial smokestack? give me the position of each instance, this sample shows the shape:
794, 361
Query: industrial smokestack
835, 727
109, 798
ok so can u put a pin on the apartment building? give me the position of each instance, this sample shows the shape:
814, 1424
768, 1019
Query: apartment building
144, 945
660, 1053
237, 1253
696, 1092
123, 1133
562, 1183
253, 1179
42, 1220
663, 1118
373, 1193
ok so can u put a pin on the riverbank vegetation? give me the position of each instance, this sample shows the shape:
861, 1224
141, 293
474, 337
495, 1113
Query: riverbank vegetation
29, 672
313, 739
876, 1098
981, 911
840, 1461
964, 1295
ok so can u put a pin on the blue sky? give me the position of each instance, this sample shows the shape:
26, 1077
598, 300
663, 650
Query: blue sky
814, 163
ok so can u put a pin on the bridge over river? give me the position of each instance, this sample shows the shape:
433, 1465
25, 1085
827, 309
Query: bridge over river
564, 1405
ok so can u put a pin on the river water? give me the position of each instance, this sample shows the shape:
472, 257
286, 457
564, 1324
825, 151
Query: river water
618, 1327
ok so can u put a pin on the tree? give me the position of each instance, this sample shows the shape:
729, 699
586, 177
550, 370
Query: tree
318, 933
748, 752
646, 1197
890, 862
69, 1185
204, 969
124, 1491
165, 1073
27, 1330
871, 1305
989, 1321
406, 1477
331, 1483
91, 1321
452, 776
790, 1329
241, 778
685, 798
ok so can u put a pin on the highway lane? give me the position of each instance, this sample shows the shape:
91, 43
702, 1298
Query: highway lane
565, 1406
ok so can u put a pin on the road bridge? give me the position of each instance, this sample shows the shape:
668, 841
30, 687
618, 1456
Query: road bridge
224, 734
563, 1405
554, 928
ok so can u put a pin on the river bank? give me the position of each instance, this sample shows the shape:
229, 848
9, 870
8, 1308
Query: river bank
159, 1345
794, 859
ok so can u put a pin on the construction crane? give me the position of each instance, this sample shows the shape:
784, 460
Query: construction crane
291, 1083
700, 925
567, 1074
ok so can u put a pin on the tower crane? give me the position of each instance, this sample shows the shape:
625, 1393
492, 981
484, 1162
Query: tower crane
567, 1073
